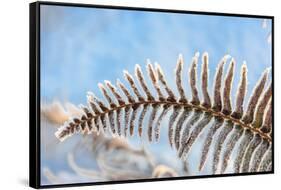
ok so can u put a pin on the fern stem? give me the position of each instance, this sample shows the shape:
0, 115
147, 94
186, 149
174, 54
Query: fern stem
199, 107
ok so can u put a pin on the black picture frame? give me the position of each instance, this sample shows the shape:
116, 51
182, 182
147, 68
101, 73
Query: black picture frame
34, 97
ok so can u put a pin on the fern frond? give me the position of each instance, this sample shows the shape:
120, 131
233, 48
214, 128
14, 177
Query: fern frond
141, 118
267, 119
162, 79
227, 108
184, 115
179, 70
185, 134
204, 78
249, 130
155, 109
246, 139
256, 158
241, 92
154, 80
236, 134
165, 110
266, 160
141, 79
249, 152
217, 104
172, 119
215, 126
249, 114
192, 80
227, 128
194, 134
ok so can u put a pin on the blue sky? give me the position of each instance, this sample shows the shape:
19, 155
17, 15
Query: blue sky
81, 47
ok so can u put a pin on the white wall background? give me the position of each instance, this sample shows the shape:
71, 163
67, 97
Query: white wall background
14, 63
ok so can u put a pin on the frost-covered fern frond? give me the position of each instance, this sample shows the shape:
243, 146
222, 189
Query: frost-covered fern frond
136, 106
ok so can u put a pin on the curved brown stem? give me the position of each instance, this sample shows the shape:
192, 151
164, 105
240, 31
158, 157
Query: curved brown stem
198, 107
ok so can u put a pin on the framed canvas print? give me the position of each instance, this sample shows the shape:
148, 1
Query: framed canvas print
122, 94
